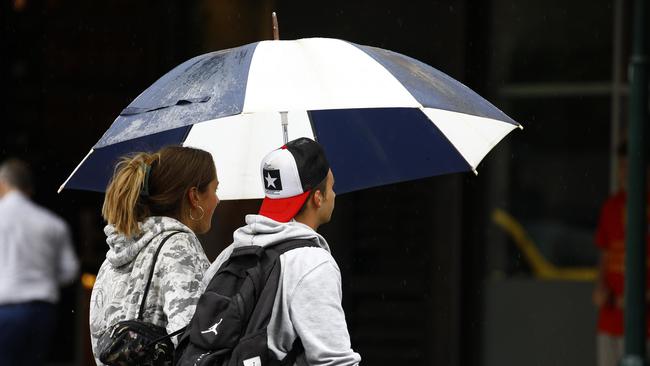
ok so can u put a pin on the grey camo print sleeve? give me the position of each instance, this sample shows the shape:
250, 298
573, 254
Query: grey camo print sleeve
181, 285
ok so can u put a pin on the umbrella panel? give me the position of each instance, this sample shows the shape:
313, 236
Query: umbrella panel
433, 88
95, 172
373, 147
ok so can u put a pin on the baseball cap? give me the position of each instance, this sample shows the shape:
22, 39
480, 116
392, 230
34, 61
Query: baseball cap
288, 175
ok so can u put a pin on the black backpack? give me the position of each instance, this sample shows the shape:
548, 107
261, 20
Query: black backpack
229, 325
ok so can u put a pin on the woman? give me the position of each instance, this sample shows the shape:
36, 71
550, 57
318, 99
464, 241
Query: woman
150, 197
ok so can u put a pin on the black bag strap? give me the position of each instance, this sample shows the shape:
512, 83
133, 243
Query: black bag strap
173, 334
286, 246
153, 266
281, 248
275, 251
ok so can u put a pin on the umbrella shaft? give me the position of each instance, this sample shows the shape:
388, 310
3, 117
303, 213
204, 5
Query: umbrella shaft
285, 126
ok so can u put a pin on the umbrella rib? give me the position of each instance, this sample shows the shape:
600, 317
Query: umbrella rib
74, 171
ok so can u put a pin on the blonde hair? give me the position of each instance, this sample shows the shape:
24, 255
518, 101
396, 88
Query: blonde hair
173, 171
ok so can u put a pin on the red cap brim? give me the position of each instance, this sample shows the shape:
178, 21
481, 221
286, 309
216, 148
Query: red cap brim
283, 209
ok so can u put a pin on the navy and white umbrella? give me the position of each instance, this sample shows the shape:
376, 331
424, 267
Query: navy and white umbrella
381, 117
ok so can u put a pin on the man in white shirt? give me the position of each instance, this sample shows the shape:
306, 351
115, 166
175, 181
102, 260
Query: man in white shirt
36, 257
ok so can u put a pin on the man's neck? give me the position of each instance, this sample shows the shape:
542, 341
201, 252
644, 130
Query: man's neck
308, 220
4, 190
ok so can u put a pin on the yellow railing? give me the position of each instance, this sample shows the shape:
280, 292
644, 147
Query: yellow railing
541, 267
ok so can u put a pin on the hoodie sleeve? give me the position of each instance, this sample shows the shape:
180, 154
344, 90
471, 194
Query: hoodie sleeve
319, 320
184, 263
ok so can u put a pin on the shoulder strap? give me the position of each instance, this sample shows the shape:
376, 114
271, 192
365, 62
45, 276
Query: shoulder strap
153, 266
296, 348
270, 278
286, 246
278, 248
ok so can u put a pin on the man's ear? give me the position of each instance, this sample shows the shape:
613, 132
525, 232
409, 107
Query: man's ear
317, 198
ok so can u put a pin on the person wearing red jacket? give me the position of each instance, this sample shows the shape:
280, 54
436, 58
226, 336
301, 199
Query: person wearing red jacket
608, 293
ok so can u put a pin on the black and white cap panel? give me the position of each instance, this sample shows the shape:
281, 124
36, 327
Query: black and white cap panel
280, 175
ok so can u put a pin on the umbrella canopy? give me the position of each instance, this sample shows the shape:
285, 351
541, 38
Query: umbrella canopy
381, 117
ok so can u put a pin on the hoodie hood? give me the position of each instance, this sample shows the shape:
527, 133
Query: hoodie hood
262, 231
123, 250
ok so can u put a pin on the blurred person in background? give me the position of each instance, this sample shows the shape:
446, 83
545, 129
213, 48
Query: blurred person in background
608, 293
36, 257
151, 197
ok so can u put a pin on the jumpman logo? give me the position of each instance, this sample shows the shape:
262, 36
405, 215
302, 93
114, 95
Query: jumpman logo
213, 328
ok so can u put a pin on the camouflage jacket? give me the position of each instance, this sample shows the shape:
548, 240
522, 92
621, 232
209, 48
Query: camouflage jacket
175, 287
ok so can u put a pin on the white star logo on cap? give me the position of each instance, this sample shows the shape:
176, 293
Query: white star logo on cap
270, 182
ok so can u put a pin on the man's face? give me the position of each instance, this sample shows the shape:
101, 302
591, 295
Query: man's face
329, 196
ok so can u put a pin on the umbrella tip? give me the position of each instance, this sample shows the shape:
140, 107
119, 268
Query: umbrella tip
60, 189
276, 29
521, 127
475, 171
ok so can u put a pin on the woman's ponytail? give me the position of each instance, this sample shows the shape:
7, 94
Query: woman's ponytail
122, 207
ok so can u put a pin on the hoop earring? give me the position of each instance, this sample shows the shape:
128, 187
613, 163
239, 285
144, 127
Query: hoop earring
202, 214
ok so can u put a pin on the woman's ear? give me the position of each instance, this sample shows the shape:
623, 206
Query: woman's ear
193, 196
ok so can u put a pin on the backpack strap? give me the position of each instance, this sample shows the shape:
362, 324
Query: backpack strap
175, 333
153, 265
278, 248
281, 248
286, 246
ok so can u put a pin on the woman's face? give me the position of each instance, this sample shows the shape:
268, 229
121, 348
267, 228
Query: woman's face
208, 200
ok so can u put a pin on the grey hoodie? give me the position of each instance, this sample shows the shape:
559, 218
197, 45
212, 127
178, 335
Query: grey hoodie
308, 300
175, 287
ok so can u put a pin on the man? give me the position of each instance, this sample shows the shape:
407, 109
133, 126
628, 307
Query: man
609, 290
298, 185
36, 256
